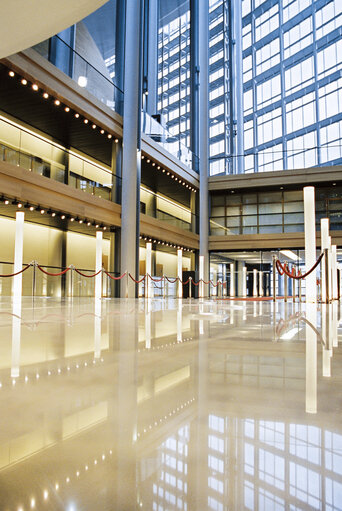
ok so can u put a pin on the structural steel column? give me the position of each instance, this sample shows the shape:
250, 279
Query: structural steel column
131, 146
238, 164
203, 47
152, 57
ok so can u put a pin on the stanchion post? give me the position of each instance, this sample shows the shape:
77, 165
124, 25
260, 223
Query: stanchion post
127, 277
300, 290
72, 282
34, 276
201, 276
294, 290
285, 287
274, 269
326, 273
190, 287
164, 283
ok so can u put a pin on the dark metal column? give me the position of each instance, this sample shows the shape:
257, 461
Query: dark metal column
131, 157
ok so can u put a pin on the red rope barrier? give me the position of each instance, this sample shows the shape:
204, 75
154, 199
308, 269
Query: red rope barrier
17, 273
185, 282
282, 268
88, 276
196, 283
137, 281
171, 281
53, 274
155, 280
115, 278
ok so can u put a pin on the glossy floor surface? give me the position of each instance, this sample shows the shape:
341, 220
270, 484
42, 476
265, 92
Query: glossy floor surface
170, 405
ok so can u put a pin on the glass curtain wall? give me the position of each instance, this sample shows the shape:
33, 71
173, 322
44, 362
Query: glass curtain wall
219, 87
292, 56
292, 85
174, 71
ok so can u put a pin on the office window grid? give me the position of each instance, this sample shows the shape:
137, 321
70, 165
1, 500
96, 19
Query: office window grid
174, 75
291, 61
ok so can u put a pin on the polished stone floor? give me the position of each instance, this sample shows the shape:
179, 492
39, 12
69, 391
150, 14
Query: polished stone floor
170, 405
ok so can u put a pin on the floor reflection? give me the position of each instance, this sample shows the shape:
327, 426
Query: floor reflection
170, 404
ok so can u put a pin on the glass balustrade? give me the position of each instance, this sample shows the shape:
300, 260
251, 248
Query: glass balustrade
99, 84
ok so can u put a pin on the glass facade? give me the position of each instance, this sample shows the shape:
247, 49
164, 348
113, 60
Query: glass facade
272, 211
291, 64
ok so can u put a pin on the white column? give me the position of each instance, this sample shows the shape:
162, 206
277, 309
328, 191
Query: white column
17, 293
324, 245
330, 269
310, 242
334, 272
232, 280
18, 255
214, 290
261, 287
224, 280
311, 361
201, 276
255, 282
98, 265
97, 328
180, 272
244, 282
148, 282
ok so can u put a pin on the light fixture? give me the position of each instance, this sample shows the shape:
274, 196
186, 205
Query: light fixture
23, 81
88, 224
102, 132
94, 126
42, 211
116, 140
104, 228
6, 201
35, 87
148, 161
153, 164
82, 81
97, 226
57, 102
45, 95
53, 214
80, 221
77, 115
142, 157
11, 73
31, 208
63, 217
67, 109
109, 135
72, 219
85, 121
158, 167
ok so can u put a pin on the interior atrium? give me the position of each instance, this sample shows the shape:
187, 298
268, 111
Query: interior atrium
171, 255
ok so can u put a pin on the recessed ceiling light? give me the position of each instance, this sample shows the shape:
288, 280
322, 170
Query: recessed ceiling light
23, 81
57, 102
67, 109
35, 86
11, 73
45, 95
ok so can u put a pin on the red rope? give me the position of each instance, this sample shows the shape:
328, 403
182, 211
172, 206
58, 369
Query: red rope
171, 281
282, 268
185, 282
195, 283
155, 280
18, 272
88, 276
137, 281
115, 278
53, 274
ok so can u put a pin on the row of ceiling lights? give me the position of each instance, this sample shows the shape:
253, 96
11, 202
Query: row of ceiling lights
62, 216
166, 244
168, 173
67, 109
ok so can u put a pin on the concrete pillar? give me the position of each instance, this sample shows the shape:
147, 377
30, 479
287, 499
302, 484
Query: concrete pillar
180, 272
131, 155
232, 280
310, 242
